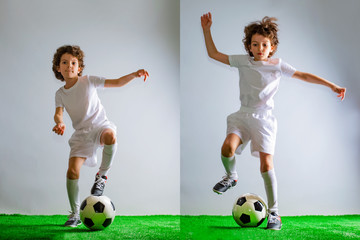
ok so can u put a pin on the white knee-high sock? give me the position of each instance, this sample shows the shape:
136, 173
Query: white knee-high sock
72, 187
230, 166
107, 157
270, 183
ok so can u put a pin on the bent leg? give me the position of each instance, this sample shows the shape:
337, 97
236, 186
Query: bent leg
108, 139
228, 149
72, 180
231, 143
270, 181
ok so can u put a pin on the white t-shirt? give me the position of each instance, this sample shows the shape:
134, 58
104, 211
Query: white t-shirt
82, 103
259, 80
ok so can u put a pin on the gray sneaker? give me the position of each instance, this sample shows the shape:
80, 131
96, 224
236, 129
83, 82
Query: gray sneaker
73, 221
274, 221
224, 185
99, 185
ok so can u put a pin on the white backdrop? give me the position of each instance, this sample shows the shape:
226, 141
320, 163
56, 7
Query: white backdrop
317, 153
118, 37
317, 148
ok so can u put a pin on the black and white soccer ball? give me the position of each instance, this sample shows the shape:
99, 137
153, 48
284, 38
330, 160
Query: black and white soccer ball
249, 210
97, 212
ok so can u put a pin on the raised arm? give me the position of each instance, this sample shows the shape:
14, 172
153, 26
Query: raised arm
206, 22
58, 118
126, 79
311, 78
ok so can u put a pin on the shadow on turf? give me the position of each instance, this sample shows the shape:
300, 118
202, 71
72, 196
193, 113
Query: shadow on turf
61, 228
41, 229
73, 230
233, 228
26, 226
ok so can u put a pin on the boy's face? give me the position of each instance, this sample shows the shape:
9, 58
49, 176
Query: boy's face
260, 47
69, 66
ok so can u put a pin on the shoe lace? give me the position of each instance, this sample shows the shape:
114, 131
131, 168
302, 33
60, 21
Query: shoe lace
225, 182
72, 215
273, 218
100, 183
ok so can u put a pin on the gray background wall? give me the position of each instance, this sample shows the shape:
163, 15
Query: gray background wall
118, 37
317, 148
317, 153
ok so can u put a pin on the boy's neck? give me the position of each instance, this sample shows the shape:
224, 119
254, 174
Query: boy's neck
70, 82
261, 60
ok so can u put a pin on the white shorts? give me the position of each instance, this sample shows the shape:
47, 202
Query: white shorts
85, 142
259, 127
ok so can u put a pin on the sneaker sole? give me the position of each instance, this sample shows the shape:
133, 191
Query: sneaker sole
72, 226
219, 193
96, 195
275, 229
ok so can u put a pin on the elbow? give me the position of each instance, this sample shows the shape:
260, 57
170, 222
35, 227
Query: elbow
213, 55
212, 52
303, 76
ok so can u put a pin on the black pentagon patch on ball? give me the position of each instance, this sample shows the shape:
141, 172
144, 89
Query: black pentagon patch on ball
107, 222
88, 222
245, 218
258, 206
113, 206
241, 201
83, 205
99, 207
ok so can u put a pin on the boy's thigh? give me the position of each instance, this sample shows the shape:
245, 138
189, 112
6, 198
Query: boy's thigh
232, 140
76, 162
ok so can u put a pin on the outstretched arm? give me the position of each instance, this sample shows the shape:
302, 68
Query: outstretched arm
126, 79
58, 118
206, 22
311, 78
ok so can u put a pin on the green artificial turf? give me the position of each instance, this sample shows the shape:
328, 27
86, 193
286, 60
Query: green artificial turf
180, 227
302, 227
51, 227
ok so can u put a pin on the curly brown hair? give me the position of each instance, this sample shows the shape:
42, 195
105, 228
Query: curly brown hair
70, 49
267, 28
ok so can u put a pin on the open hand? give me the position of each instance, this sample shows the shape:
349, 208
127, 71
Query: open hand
142, 73
206, 21
59, 128
341, 91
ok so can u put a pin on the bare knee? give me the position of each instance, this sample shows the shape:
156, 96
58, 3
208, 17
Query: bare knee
227, 150
75, 164
73, 173
266, 162
231, 143
108, 137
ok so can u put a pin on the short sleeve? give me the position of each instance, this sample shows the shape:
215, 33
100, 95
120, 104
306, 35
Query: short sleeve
97, 82
58, 100
238, 60
286, 69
